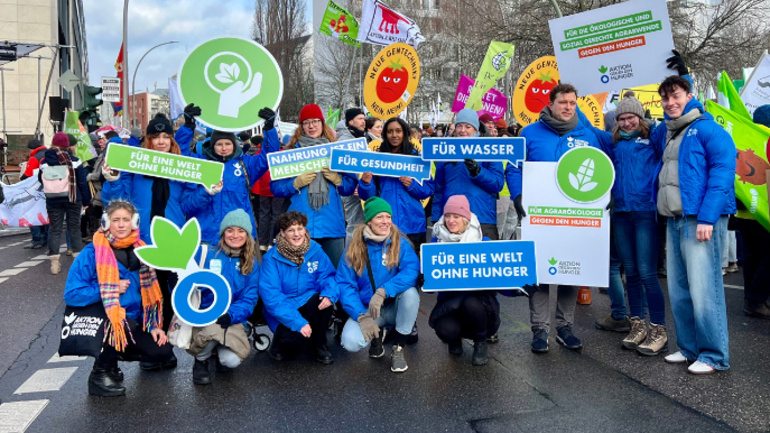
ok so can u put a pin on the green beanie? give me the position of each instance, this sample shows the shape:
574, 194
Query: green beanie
374, 206
236, 218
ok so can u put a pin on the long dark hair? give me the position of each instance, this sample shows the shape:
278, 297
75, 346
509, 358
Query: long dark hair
406, 144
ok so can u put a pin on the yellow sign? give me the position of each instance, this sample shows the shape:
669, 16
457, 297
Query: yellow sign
391, 80
649, 97
591, 107
532, 91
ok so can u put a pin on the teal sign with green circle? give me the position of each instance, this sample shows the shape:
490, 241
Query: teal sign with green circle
231, 79
585, 174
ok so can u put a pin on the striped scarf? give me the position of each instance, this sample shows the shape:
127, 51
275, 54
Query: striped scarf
109, 280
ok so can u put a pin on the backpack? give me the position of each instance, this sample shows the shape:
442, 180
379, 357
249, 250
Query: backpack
56, 181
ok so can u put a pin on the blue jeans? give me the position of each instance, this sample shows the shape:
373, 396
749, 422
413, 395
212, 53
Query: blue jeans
636, 240
616, 291
697, 293
39, 234
402, 314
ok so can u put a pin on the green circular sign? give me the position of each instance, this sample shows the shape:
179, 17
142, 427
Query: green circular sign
585, 174
231, 79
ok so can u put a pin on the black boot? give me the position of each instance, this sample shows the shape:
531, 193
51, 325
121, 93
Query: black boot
456, 348
114, 372
322, 355
413, 337
101, 384
170, 362
201, 373
480, 353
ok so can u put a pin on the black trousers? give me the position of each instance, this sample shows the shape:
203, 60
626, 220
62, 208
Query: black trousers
756, 261
417, 240
291, 343
471, 321
269, 210
167, 281
142, 348
490, 231
56, 215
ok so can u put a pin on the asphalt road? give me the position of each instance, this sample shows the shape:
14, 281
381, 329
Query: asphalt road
601, 389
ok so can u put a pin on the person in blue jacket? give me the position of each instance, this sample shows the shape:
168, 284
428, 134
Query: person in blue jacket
317, 194
241, 172
403, 193
155, 196
480, 183
376, 282
695, 189
297, 288
236, 258
119, 230
561, 127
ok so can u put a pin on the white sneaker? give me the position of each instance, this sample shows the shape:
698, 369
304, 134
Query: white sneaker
700, 368
675, 358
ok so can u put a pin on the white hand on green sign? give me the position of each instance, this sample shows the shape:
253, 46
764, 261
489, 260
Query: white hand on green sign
238, 93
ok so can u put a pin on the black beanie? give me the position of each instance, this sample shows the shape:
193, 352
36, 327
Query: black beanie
158, 124
34, 144
244, 135
352, 113
73, 140
256, 140
222, 135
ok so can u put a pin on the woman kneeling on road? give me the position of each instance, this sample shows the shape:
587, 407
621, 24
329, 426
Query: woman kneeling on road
237, 260
297, 288
380, 256
476, 314
109, 272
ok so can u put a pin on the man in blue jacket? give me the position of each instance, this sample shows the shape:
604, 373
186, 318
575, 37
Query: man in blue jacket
696, 191
559, 129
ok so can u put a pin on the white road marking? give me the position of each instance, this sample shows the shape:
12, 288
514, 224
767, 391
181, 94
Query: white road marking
12, 272
728, 286
2, 280
57, 358
17, 416
41, 257
50, 379
16, 243
28, 264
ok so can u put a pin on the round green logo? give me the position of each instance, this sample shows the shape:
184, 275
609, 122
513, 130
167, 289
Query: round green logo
231, 79
585, 174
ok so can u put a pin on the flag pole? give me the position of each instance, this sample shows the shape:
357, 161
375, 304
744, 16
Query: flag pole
350, 74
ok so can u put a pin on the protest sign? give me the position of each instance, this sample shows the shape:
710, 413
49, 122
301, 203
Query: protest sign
231, 79
496, 63
613, 47
292, 163
391, 80
493, 102
513, 149
382, 25
532, 91
592, 109
501, 265
380, 164
649, 97
756, 92
24, 204
84, 150
340, 24
173, 249
566, 216
163, 164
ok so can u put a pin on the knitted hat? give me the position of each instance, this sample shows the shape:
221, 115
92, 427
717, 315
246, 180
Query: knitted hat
158, 124
485, 118
374, 206
60, 140
352, 113
222, 135
458, 204
34, 144
244, 135
256, 140
72, 139
501, 124
136, 132
236, 218
466, 115
311, 111
629, 105
762, 115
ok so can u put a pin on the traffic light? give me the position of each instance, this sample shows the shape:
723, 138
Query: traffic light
90, 104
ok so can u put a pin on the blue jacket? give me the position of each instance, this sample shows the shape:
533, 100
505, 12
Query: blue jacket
137, 189
327, 222
83, 285
211, 210
545, 145
82, 191
355, 291
706, 167
635, 164
452, 178
245, 288
286, 287
408, 213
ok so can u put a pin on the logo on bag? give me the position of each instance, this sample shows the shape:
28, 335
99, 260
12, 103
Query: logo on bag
585, 174
85, 326
312, 267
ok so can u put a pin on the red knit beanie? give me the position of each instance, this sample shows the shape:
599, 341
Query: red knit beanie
311, 111
458, 204
486, 118
61, 140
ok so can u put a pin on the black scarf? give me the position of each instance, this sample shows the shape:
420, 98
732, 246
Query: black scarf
160, 195
560, 126
357, 133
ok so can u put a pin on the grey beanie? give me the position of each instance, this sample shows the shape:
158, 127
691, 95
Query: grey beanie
629, 105
236, 218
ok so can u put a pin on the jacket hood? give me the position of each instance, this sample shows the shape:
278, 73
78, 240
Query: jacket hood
115, 140
208, 151
39, 149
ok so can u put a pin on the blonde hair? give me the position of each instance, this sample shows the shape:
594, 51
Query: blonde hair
358, 251
249, 253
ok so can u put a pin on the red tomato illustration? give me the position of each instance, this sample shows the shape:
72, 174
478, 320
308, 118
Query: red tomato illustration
392, 82
538, 92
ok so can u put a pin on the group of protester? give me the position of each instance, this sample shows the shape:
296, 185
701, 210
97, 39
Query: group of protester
372, 280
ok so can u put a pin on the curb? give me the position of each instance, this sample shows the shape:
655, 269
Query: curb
13, 232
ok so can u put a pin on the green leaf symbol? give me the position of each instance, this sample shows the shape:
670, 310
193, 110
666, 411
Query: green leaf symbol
603, 69
172, 248
553, 261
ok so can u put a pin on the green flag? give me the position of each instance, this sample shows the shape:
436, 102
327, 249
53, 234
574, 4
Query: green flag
340, 24
495, 65
333, 117
84, 149
751, 161
730, 98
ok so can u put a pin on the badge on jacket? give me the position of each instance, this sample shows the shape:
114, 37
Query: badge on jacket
216, 266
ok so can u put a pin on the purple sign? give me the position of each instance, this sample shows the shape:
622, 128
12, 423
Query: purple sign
495, 103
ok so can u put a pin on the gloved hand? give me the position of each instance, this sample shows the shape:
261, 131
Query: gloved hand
304, 179
376, 303
269, 116
368, 327
473, 167
677, 62
332, 176
214, 189
519, 208
225, 320
420, 280
190, 112
611, 205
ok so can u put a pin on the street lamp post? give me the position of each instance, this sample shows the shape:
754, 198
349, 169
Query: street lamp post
133, 78
125, 64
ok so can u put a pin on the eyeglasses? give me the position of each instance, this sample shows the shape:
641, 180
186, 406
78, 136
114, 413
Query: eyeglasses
311, 122
626, 119
299, 231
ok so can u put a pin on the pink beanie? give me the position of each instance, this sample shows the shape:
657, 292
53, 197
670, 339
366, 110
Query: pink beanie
458, 204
